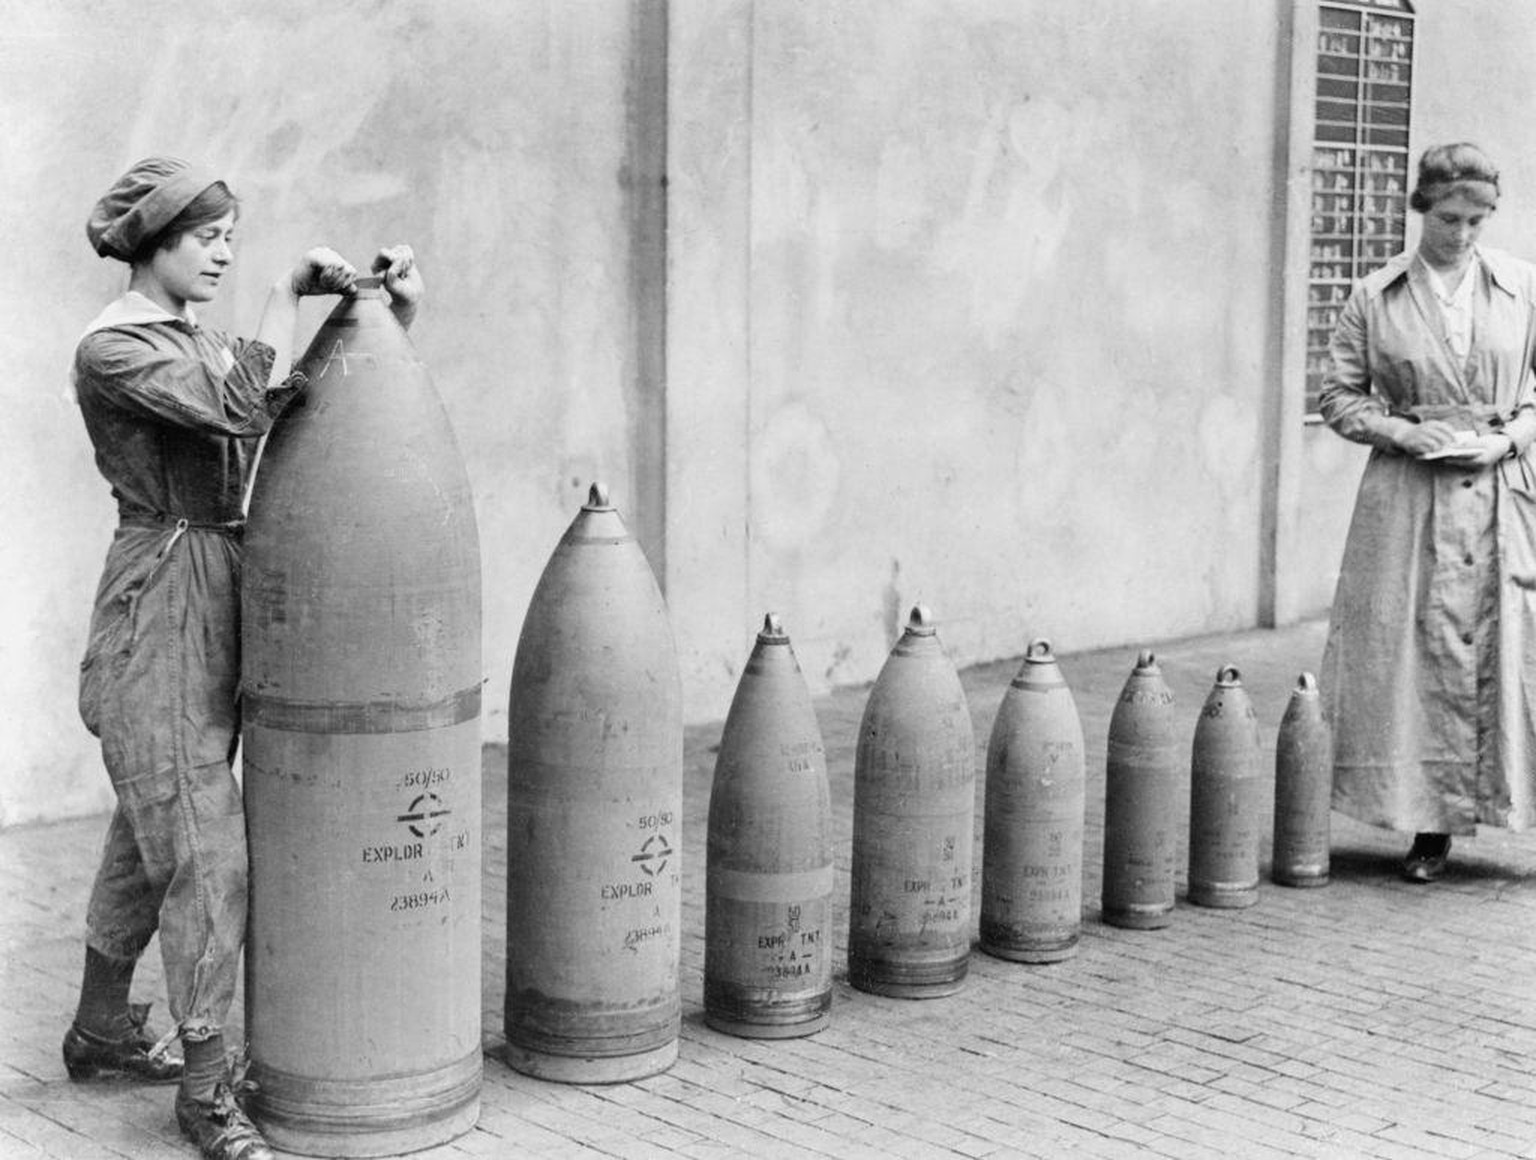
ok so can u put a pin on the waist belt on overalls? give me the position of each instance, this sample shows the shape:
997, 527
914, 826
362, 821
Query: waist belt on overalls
179, 525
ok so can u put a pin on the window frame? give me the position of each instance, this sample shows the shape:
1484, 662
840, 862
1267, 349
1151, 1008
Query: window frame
1361, 115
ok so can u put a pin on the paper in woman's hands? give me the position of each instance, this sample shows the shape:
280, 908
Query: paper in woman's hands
1467, 445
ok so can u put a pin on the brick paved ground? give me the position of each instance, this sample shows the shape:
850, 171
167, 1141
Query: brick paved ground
1367, 1019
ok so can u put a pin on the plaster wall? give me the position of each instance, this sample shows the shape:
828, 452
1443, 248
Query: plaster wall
491, 136
984, 291
969, 302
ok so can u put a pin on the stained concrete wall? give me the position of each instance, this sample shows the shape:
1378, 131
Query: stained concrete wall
978, 303
496, 138
982, 291
972, 302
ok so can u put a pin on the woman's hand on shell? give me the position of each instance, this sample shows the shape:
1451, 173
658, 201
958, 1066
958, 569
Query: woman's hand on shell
322, 271
402, 277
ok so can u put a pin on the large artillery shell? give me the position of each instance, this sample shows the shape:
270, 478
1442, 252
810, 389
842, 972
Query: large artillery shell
768, 900
361, 654
1032, 855
1223, 798
913, 813
1303, 787
1140, 802
594, 815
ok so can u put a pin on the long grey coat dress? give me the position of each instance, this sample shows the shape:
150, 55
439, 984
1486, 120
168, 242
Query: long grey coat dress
1430, 666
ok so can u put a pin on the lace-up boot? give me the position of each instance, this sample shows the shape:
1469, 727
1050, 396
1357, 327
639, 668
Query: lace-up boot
220, 1128
132, 1055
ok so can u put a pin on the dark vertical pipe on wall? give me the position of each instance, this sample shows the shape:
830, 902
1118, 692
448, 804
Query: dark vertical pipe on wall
644, 180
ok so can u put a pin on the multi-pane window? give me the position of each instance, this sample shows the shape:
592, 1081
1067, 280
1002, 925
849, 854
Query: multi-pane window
1360, 176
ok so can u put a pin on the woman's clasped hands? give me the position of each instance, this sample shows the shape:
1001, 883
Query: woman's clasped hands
1437, 439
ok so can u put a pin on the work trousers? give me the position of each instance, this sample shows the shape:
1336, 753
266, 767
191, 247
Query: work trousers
159, 686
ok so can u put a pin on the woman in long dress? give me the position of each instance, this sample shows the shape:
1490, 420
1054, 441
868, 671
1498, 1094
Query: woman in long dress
1431, 651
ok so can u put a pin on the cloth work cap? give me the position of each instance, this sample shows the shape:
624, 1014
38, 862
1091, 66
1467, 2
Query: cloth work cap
142, 202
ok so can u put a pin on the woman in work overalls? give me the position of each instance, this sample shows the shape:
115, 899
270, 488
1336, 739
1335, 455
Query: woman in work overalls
174, 411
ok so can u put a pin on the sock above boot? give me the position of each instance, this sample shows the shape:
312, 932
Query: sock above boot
104, 988
204, 1068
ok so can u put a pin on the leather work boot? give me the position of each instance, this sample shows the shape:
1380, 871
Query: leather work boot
134, 1056
220, 1128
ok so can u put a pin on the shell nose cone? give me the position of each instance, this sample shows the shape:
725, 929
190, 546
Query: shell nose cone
1039, 652
599, 522
773, 630
922, 621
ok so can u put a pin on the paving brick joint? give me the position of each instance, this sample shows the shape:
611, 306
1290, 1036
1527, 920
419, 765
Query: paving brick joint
1368, 1018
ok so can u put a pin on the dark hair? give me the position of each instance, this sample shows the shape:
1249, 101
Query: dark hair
209, 206
1460, 168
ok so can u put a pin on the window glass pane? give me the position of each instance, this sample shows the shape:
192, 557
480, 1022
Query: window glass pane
1359, 158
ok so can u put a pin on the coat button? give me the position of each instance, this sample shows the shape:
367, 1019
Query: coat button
1466, 638
1467, 559
1466, 483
